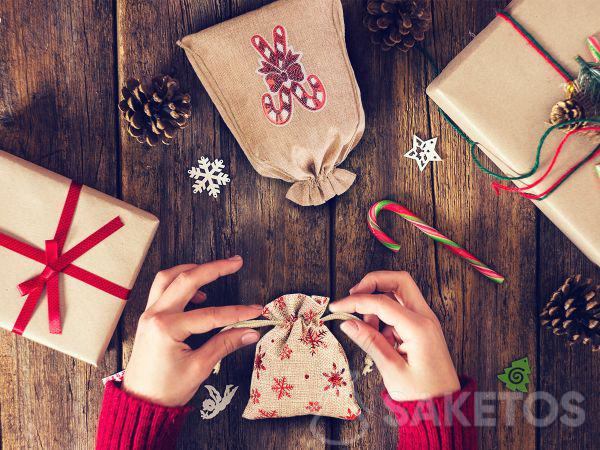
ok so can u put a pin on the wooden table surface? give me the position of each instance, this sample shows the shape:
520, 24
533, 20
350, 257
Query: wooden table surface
61, 68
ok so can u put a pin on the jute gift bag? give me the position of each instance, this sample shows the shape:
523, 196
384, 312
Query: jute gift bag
300, 368
281, 78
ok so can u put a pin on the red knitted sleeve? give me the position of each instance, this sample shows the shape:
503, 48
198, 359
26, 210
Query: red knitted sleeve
441, 423
127, 422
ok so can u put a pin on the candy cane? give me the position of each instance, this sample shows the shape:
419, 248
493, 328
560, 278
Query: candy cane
284, 75
281, 115
594, 46
266, 51
434, 234
314, 101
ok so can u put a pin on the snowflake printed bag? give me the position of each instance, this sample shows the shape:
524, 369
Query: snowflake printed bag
281, 79
300, 368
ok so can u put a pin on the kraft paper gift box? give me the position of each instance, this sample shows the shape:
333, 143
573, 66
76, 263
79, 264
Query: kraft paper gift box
31, 202
500, 92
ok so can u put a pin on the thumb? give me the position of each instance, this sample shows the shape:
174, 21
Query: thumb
225, 343
374, 344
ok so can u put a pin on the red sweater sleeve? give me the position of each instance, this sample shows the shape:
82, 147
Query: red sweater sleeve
441, 423
127, 422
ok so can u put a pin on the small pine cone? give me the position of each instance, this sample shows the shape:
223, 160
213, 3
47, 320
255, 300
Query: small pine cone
573, 311
567, 110
397, 23
155, 111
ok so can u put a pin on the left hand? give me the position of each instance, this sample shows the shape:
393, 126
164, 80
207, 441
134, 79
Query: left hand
163, 369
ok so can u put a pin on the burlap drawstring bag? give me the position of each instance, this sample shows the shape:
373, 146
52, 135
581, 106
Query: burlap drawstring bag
300, 368
281, 78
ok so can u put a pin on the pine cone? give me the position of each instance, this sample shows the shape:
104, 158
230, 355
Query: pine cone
574, 311
155, 111
397, 23
567, 110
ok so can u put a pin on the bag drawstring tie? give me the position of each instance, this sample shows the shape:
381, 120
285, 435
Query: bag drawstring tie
258, 323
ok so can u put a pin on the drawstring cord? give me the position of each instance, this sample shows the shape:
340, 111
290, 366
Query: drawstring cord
257, 323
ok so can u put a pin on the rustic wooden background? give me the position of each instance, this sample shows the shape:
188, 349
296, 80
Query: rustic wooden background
61, 67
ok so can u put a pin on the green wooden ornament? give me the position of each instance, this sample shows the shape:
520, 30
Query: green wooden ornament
516, 377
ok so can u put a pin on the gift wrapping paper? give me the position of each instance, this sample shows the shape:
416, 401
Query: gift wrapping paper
501, 92
31, 201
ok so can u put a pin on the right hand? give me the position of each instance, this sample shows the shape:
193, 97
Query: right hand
410, 352
163, 369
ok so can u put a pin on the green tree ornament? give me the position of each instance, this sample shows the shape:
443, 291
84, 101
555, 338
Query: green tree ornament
516, 377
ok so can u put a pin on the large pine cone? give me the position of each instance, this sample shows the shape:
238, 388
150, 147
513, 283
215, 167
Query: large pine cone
397, 23
155, 111
574, 312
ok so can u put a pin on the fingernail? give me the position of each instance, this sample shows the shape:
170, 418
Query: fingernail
257, 307
349, 326
333, 306
353, 288
250, 338
235, 258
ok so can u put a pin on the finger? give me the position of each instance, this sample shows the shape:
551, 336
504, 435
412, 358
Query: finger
375, 345
206, 319
405, 321
401, 283
372, 320
198, 298
222, 344
187, 283
388, 334
163, 279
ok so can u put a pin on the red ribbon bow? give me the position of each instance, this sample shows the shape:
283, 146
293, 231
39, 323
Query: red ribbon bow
57, 262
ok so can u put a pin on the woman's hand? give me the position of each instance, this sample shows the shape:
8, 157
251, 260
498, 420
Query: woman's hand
410, 352
163, 369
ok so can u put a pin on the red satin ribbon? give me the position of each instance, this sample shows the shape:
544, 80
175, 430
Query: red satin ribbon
57, 262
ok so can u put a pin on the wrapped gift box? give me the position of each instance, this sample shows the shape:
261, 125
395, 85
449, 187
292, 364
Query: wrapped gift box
31, 201
500, 92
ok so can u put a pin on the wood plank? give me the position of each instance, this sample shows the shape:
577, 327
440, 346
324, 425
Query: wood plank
492, 325
56, 109
450, 196
392, 91
285, 246
564, 369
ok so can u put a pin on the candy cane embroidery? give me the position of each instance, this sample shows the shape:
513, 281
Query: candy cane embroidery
284, 75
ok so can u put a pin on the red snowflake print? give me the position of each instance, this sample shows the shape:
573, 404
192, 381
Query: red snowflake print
309, 316
259, 362
313, 339
320, 300
282, 388
351, 415
267, 414
284, 75
255, 396
335, 380
313, 407
280, 304
286, 352
266, 313
290, 321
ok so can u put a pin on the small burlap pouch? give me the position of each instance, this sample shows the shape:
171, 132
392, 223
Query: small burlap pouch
281, 78
300, 368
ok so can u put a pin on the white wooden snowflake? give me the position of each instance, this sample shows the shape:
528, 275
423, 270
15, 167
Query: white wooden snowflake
209, 176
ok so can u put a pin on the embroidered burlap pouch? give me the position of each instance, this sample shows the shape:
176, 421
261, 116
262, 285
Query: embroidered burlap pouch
281, 78
300, 368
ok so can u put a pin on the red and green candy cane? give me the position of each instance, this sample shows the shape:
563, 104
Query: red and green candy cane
388, 205
594, 46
